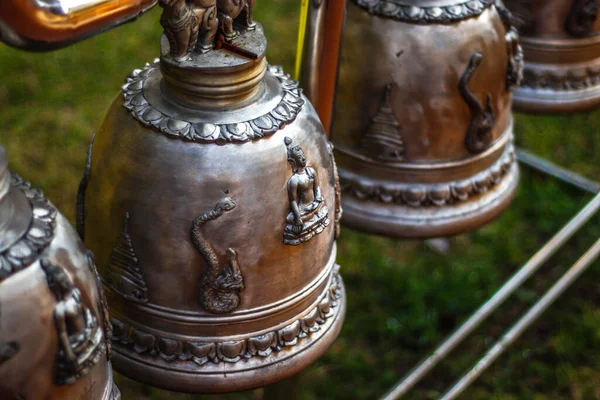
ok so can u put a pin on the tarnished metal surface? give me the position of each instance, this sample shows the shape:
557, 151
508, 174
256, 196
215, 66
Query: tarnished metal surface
422, 124
54, 327
561, 43
46, 25
211, 205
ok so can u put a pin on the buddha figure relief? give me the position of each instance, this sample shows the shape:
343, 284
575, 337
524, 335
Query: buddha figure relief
309, 214
80, 338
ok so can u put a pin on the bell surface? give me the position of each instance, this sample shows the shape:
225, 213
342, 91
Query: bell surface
210, 201
54, 324
561, 43
422, 120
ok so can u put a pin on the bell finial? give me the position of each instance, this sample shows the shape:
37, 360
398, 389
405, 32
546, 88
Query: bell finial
202, 25
212, 52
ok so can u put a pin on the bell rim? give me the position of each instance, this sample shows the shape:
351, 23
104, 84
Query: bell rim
294, 359
547, 100
454, 219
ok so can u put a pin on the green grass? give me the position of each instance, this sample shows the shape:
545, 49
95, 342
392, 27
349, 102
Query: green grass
403, 297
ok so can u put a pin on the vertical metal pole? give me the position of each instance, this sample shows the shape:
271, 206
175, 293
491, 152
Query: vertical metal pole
308, 61
496, 300
530, 317
320, 57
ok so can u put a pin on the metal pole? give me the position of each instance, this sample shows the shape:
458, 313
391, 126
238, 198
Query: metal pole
530, 317
322, 45
496, 300
549, 168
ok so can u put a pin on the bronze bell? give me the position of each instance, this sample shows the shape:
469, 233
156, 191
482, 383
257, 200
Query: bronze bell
210, 200
54, 325
561, 43
422, 120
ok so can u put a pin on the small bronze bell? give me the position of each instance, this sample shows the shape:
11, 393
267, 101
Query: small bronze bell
422, 121
210, 200
54, 326
561, 42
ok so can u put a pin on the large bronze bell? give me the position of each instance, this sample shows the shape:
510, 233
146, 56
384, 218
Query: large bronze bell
422, 121
561, 42
210, 201
54, 327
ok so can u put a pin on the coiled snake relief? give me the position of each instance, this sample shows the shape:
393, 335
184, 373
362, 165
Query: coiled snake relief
219, 287
479, 133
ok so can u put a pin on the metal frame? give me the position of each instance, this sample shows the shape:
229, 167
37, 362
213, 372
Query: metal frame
511, 285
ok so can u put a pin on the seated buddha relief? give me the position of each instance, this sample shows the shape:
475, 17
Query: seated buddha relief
81, 341
309, 214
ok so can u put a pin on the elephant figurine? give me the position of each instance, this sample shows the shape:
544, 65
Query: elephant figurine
191, 25
181, 26
207, 22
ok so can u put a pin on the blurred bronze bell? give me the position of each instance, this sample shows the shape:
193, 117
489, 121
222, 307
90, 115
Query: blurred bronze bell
54, 326
422, 121
210, 201
561, 42
48, 25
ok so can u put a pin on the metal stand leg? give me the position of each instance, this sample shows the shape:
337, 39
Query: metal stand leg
515, 281
532, 315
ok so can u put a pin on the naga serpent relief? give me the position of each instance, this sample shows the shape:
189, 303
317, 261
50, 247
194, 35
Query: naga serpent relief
309, 214
81, 342
479, 133
219, 287
582, 17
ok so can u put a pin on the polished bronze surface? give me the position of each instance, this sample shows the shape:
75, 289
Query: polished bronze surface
210, 200
561, 42
47, 25
54, 324
422, 123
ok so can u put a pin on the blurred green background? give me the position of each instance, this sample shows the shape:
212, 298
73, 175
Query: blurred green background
403, 296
